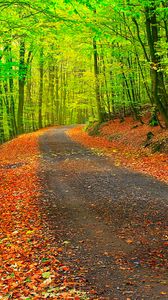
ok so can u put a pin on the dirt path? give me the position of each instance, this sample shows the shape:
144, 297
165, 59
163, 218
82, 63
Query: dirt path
111, 222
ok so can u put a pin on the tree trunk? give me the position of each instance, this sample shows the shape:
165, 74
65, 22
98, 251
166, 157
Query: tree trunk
159, 95
64, 96
51, 91
111, 86
22, 77
2, 134
8, 112
57, 92
61, 95
106, 84
97, 85
41, 69
11, 90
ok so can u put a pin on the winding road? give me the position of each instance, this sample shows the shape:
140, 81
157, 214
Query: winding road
110, 221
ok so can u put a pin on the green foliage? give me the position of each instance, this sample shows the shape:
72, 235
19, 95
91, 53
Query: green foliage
61, 86
153, 122
94, 129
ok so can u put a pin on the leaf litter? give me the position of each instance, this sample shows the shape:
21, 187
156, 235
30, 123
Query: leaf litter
124, 144
30, 263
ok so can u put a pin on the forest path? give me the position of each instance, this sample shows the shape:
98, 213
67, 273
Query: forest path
110, 221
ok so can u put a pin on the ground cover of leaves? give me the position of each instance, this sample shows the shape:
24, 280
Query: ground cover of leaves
30, 261
126, 144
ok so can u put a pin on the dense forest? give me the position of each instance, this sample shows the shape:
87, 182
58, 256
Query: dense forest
72, 61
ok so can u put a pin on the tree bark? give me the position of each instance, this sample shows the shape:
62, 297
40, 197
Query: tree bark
22, 77
97, 85
11, 90
159, 94
41, 69
2, 134
51, 91
106, 83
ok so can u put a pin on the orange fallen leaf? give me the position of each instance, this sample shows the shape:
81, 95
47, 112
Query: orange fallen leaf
64, 268
129, 241
59, 250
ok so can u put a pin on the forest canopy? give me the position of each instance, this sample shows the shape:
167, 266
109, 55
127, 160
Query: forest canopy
64, 62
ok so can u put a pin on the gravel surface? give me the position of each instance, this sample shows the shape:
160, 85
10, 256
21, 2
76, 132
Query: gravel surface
110, 221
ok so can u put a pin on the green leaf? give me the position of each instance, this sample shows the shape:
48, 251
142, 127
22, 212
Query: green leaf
28, 279
44, 260
46, 275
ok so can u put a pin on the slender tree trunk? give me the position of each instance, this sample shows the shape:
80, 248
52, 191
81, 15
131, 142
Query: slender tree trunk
129, 92
22, 77
111, 86
97, 84
51, 91
12, 106
106, 84
11, 90
2, 134
8, 111
31, 114
134, 104
64, 96
147, 88
61, 95
57, 92
41, 69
